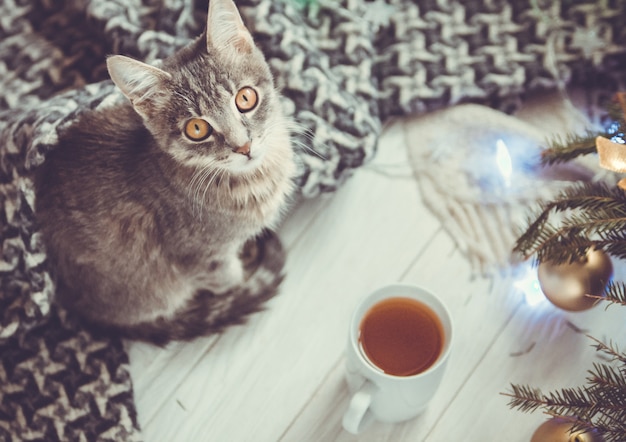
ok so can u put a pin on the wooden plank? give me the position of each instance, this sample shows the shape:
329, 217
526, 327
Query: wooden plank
300, 217
157, 372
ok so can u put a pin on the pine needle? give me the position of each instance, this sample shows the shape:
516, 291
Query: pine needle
615, 293
563, 149
525, 398
585, 215
610, 350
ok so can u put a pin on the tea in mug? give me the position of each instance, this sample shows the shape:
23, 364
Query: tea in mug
401, 336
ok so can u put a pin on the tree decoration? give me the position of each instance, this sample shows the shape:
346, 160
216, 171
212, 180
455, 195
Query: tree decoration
558, 430
568, 285
583, 220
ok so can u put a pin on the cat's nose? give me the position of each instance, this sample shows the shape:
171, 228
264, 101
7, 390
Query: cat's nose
244, 149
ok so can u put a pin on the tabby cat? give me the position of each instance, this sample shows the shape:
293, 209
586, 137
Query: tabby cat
156, 214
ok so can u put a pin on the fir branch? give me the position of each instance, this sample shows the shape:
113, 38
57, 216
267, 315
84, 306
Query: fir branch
610, 350
610, 426
608, 383
525, 398
564, 402
611, 431
527, 242
571, 402
616, 248
591, 197
563, 149
596, 210
562, 250
614, 293
570, 243
598, 223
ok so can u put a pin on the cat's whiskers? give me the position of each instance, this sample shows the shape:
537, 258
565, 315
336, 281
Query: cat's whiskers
202, 175
303, 146
196, 178
202, 179
297, 130
269, 131
194, 184
217, 178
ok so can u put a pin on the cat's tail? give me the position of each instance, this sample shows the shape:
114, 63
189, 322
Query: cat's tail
263, 258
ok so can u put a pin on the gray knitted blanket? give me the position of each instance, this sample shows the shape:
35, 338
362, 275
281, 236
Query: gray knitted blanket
345, 67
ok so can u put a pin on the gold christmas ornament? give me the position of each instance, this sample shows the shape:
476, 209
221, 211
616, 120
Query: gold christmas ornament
566, 285
558, 430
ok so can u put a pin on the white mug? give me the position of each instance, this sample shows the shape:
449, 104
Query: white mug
384, 397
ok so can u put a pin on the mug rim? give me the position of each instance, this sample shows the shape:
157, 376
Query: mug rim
381, 293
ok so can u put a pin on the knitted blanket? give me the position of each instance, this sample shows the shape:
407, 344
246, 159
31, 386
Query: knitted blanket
345, 67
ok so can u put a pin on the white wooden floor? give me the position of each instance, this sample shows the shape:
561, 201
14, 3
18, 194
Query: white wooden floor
280, 377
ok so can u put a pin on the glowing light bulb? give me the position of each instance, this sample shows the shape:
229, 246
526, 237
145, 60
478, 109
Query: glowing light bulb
503, 160
528, 284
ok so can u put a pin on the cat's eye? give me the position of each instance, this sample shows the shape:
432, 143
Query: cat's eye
246, 99
197, 129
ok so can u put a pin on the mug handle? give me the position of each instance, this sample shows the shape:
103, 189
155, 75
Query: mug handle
358, 415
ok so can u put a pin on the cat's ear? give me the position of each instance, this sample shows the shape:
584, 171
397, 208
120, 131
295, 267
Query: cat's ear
225, 28
141, 83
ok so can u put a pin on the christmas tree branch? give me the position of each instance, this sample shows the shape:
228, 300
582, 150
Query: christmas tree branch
604, 378
592, 214
609, 350
564, 402
525, 398
560, 150
614, 293
572, 402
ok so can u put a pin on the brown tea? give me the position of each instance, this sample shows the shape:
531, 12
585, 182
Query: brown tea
401, 336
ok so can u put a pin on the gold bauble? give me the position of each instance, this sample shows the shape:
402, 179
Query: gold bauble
566, 285
558, 430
